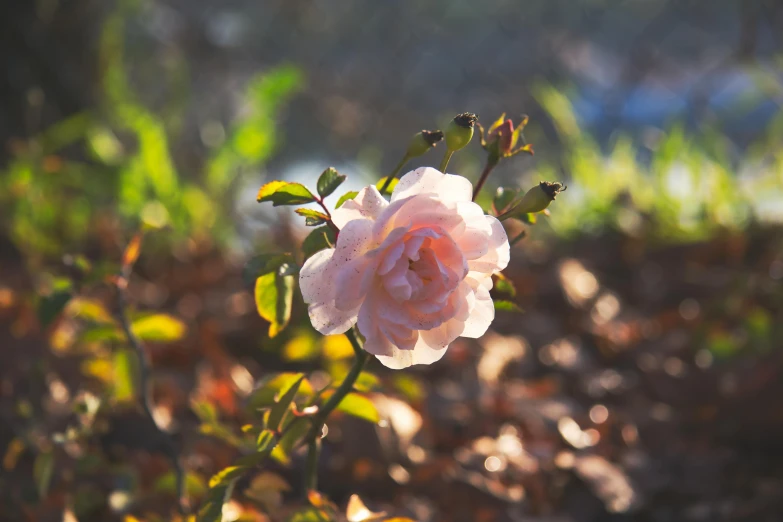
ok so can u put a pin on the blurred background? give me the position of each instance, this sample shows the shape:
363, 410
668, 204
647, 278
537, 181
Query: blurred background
641, 382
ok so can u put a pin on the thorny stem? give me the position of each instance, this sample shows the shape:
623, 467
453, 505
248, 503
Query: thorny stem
484, 175
145, 387
319, 419
445, 161
394, 173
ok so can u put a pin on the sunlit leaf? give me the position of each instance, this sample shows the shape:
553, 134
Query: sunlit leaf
530, 219
195, 485
104, 145
89, 310
366, 382
274, 297
390, 188
126, 371
158, 328
358, 512
302, 347
295, 432
507, 306
43, 467
319, 239
270, 388
409, 386
345, 197
312, 217
311, 514
212, 508
226, 475
504, 285
287, 396
285, 193
359, 406
328, 181
336, 347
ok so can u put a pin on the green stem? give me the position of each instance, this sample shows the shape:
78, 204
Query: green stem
445, 161
311, 470
319, 419
394, 173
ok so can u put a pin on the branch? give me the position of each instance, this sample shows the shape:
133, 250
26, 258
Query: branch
145, 386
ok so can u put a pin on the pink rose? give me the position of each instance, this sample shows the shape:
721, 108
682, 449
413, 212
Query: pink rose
414, 273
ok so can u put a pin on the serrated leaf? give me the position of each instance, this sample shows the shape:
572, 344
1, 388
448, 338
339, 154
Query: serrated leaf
507, 306
359, 406
312, 217
319, 239
285, 193
328, 181
158, 328
503, 198
282, 404
345, 197
504, 285
43, 467
358, 512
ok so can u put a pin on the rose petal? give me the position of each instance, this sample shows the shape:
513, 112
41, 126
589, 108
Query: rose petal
482, 313
428, 180
368, 204
498, 250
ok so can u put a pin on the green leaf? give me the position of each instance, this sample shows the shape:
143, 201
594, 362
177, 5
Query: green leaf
294, 433
265, 264
503, 198
278, 411
507, 306
274, 294
312, 217
195, 486
266, 439
43, 468
310, 514
226, 475
345, 197
270, 387
504, 285
359, 406
367, 382
391, 186
126, 371
328, 182
50, 306
158, 328
285, 193
212, 508
319, 239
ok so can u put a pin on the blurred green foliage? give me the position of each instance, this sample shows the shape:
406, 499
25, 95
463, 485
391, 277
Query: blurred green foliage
689, 186
117, 160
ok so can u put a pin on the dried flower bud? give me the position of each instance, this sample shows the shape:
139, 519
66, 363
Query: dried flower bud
460, 131
538, 198
423, 141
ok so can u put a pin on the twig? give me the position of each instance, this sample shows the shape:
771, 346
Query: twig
484, 175
145, 386
394, 173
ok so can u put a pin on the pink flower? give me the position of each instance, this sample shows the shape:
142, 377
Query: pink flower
414, 273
